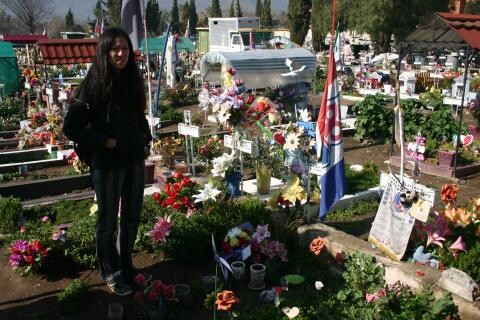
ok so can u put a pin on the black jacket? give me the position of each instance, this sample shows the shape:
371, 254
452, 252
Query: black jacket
90, 127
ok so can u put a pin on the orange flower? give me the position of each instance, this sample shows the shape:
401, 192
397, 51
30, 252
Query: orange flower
317, 245
450, 214
449, 193
475, 203
225, 300
463, 217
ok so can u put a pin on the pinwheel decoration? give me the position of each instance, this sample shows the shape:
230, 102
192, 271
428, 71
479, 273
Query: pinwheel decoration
224, 266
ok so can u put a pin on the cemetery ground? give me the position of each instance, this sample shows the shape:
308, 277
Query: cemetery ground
35, 296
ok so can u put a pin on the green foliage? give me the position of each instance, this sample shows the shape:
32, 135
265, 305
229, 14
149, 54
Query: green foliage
175, 19
369, 177
10, 210
473, 7
69, 19
369, 279
185, 16
153, 16
413, 118
193, 18
320, 78
258, 8
170, 113
374, 120
11, 112
299, 19
231, 12
266, 20
81, 241
74, 296
114, 10
238, 9
432, 98
440, 126
190, 238
215, 10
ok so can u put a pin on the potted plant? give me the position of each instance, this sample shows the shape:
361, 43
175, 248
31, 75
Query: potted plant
267, 159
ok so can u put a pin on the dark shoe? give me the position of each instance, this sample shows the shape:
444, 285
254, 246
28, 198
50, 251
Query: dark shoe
120, 289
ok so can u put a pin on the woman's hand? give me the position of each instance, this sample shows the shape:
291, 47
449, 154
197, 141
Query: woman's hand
111, 143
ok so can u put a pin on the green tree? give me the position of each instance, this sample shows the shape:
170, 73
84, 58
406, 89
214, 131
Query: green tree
69, 19
175, 18
238, 10
185, 16
321, 20
193, 18
258, 8
215, 10
99, 12
114, 9
316, 24
392, 17
231, 12
473, 7
153, 15
299, 19
266, 19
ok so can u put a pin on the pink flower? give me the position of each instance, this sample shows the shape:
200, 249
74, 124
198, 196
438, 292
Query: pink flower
458, 245
22, 229
45, 219
437, 231
161, 230
58, 234
371, 297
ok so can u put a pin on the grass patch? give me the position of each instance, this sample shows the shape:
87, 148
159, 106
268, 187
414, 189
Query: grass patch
369, 177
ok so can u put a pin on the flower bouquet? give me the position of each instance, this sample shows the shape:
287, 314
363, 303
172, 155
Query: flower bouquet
264, 248
27, 256
177, 194
236, 244
152, 297
167, 147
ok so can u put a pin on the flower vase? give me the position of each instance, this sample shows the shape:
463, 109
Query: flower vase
233, 183
52, 138
238, 270
264, 175
257, 276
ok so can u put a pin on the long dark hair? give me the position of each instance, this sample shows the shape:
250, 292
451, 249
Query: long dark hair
101, 77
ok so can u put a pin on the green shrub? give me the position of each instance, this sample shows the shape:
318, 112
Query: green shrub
440, 126
190, 238
10, 211
73, 297
80, 245
374, 120
413, 118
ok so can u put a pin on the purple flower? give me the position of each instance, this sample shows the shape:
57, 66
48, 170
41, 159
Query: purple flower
45, 219
15, 260
261, 233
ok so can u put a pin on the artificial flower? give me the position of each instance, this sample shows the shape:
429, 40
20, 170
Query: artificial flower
279, 138
449, 193
475, 203
437, 231
318, 285
291, 141
160, 230
458, 245
225, 300
304, 115
45, 219
209, 192
261, 233
463, 217
293, 191
139, 278
58, 235
316, 245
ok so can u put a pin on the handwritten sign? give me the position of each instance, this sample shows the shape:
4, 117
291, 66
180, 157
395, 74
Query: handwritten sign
393, 223
228, 141
188, 130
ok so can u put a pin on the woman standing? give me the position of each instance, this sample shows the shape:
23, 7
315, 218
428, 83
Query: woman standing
107, 122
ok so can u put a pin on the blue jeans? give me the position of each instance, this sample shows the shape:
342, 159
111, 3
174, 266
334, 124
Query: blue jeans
119, 193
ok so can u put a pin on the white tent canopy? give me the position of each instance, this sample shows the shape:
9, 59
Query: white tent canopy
260, 68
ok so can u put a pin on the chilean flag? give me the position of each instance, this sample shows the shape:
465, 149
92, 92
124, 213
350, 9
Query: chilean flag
329, 138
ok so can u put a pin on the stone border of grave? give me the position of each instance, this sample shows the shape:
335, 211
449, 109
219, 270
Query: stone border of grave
338, 241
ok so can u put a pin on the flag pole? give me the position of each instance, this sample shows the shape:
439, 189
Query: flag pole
150, 107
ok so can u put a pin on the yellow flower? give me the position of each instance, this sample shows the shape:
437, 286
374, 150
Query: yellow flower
293, 190
315, 196
234, 242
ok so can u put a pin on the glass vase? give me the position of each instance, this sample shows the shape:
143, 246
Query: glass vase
264, 175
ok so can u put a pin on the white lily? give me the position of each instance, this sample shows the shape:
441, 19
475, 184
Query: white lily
208, 192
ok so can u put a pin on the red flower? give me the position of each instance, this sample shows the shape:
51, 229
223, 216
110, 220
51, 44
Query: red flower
22, 229
250, 98
156, 197
317, 245
29, 260
279, 138
176, 205
226, 248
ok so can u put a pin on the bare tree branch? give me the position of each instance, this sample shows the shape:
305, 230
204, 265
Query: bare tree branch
30, 13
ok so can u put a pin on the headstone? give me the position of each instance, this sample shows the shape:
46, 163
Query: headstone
458, 282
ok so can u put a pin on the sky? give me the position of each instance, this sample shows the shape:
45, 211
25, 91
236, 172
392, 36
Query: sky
84, 8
